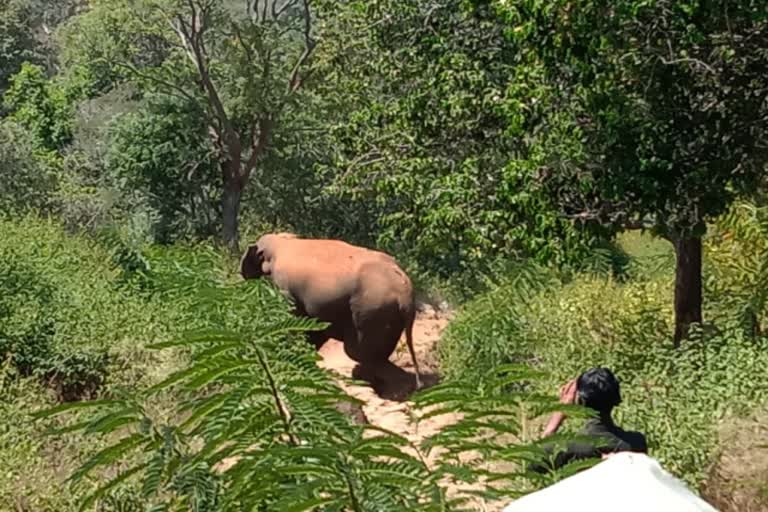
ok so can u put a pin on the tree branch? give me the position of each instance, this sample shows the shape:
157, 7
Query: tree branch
192, 37
286, 5
245, 47
258, 145
180, 92
691, 60
617, 219
294, 83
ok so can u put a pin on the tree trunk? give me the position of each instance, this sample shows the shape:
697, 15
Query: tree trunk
230, 214
687, 285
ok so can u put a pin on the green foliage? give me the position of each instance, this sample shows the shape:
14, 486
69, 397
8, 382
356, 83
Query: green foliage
466, 141
256, 402
485, 451
30, 462
16, 40
26, 33
236, 411
62, 317
162, 151
27, 175
43, 107
642, 109
240, 74
420, 144
738, 252
258, 427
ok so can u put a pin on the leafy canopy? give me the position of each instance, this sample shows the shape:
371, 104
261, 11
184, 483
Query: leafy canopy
660, 107
421, 143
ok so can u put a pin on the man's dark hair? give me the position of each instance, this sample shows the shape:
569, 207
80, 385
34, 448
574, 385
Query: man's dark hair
598, 389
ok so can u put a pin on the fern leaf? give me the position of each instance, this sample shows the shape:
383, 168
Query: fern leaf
293, 325
197, 337
172, 379
310, 504
104, 489
216, 350
74, 427
70, 406
109, 455
153, 475
209, 376
112, 423
201, 408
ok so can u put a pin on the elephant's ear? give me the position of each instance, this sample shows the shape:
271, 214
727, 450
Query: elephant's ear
250, 263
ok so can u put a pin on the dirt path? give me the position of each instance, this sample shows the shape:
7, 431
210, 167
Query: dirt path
385, 399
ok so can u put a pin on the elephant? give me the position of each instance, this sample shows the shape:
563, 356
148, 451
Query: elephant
364, 295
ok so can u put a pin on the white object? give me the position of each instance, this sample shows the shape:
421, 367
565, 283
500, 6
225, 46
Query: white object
626, 482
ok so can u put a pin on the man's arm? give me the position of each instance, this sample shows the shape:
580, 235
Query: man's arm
567, 396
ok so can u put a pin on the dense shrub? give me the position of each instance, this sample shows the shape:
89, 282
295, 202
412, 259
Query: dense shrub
675, 396
43, 107
76, 314
234, 410
27, 174
63, 317
162, 152
249, 397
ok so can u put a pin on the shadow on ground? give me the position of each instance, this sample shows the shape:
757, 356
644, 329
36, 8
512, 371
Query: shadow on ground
391, 382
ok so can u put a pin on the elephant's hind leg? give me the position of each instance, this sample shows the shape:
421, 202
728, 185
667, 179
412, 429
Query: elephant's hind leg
374, 334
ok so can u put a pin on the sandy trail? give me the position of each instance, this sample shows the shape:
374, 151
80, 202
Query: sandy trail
385, 398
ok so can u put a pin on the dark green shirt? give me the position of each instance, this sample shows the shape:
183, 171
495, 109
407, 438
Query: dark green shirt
604, 437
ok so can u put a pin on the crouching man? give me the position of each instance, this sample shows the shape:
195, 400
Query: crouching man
597, 389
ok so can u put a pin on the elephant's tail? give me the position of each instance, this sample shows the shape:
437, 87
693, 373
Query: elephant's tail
409, 314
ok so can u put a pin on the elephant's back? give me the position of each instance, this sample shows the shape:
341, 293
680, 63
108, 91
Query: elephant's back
322, 256
321, 270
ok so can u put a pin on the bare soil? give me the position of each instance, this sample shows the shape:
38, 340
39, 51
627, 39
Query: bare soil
738, 481
385, 394
386, 391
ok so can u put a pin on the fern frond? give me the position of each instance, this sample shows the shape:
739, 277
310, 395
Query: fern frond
71, 406
153, 474
109, 455
309, 504
110, 485
197, 337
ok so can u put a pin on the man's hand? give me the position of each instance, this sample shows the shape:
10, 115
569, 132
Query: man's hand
568, 393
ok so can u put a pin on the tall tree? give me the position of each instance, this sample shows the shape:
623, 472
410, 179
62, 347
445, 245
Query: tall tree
650, 114
241, 64
420, 146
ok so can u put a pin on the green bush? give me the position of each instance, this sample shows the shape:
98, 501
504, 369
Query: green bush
675, 396
63, 317
243, 387
161, 153
27, 174
42, 106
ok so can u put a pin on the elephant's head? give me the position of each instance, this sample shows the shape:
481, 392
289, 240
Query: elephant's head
257, 260
252, 262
